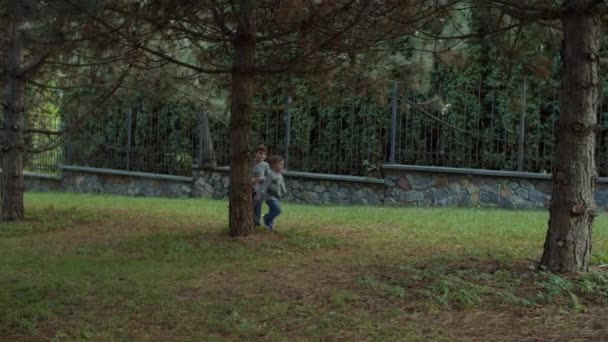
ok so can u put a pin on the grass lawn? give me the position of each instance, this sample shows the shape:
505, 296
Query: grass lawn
107, 268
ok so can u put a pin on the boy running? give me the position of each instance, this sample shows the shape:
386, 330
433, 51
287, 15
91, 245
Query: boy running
272, 189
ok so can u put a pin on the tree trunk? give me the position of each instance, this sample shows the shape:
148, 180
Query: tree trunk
568, 241
11, 180
241, 108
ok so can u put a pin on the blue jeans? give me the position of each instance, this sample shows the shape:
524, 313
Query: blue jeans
274, 207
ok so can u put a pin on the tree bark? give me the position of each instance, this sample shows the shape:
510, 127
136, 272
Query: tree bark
241, 107
12, 144
568, 241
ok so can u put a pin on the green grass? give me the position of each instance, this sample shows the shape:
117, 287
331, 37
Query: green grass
93, 267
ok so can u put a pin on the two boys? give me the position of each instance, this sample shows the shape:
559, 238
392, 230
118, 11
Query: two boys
268, 185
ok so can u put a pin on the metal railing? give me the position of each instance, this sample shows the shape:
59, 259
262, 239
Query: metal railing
45, 151
495, 128
159, 141
499, 128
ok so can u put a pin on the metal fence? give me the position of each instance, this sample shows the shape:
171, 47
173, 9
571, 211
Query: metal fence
158, 141
45, 151
497, 128
502, 128
349, 138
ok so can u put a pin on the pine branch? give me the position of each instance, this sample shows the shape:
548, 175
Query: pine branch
33, 65
44, 131
56, 143
527, 13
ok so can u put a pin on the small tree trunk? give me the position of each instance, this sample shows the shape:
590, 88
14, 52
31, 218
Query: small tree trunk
11, 181
568, 241
241, 107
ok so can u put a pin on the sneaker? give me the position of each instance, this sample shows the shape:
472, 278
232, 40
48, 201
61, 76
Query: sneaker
268, 226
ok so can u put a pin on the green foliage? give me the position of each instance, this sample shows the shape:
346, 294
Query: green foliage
452, 291
594, 285
577, 292
484, 102
554, 287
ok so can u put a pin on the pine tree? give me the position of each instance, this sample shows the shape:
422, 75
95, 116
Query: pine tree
247, 39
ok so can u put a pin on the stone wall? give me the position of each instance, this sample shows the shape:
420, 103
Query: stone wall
212, 182
402, 185
88, 179
444, 186
454, 187
41, 182
406, 185
302, 187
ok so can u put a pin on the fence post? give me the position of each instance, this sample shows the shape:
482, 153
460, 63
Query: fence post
201, 133
206, 152
68, 128
287, 130
393, 124
129, 136
522, 129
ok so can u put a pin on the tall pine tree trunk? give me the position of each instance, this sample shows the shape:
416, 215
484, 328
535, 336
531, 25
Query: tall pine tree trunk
12, 144
568, 242
241, 108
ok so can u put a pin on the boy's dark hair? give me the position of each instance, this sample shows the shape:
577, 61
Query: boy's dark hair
261, 148
274, 159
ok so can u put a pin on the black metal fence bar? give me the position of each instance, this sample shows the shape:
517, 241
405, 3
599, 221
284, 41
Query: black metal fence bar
522, 129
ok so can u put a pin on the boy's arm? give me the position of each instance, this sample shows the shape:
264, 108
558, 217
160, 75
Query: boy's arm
264, 186
258, 177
